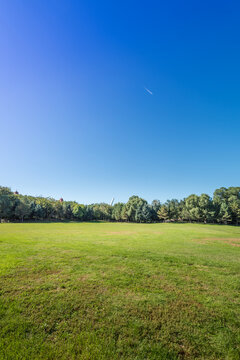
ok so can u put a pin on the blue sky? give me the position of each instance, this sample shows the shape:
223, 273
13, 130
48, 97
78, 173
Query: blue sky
76, 120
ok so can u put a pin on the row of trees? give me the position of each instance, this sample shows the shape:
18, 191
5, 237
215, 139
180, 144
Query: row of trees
224, 208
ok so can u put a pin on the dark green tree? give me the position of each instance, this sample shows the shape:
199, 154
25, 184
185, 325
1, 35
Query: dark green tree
163, 214
133, 208
23, 208
225, 213
117, 211
155, 207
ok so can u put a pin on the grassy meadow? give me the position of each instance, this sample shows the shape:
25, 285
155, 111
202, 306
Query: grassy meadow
97, 291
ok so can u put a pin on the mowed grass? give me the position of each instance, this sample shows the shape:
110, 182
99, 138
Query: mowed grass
119, 291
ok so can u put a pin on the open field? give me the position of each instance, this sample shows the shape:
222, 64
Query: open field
119, 291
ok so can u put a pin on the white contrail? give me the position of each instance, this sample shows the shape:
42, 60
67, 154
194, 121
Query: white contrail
148, 91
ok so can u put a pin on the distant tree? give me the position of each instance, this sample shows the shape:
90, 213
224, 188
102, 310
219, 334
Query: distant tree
102, 211
106, 211
173, 209
206, 208
117, 211
184, 213
155, 207
225, 213
67, 210
5, 207
23, 208
143, 213
233, 191
195, 214
124, 215
163, 213
89, 215
47, 205
5, 191
133, 208
234, 206
38, 212
192, 209
147, 213
220, 195
226, 203
58, 210
223, 208
78, 211
7, 203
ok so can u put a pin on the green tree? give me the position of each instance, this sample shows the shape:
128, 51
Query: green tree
67, 210
7, 203
133, 208
117, 211
23, 208
155, 207
37, 212
89, 215
163, 213
207, 212
227, 198
225, 213
146, 213
78, 211
58, 210
5, 207
234, 205
192, 208
173, 209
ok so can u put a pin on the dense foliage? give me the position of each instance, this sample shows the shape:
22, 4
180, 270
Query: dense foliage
223, 208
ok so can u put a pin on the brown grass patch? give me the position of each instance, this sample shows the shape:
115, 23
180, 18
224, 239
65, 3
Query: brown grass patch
230, 241
202, 267
84, 277
233, 242
132, 295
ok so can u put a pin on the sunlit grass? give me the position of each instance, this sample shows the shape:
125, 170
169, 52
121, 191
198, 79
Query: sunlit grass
119, 291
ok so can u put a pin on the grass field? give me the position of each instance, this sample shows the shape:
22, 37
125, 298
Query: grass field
119, 291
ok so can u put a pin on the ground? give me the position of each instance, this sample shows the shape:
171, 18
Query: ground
119, 291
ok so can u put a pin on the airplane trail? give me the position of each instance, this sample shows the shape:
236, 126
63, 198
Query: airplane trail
150, 92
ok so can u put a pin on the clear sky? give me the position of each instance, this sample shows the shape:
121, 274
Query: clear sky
76, 119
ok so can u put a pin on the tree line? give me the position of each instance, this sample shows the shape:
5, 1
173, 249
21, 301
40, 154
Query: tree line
223, 208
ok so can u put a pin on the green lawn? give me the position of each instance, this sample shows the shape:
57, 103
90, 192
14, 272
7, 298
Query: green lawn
119, 291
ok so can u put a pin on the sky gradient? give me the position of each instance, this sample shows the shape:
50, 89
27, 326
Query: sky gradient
76, 120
